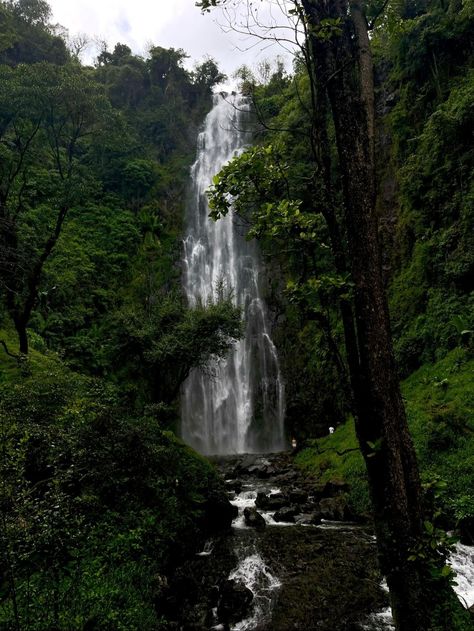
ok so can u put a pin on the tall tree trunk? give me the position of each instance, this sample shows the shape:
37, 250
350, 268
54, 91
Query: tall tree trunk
22, 294
20, 327
344, 68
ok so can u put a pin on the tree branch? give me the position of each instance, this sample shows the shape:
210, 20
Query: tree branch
4, 344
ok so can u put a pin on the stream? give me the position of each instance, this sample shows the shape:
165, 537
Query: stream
293, 574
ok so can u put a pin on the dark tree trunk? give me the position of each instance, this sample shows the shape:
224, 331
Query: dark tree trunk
22, 293
20, 327
343, 66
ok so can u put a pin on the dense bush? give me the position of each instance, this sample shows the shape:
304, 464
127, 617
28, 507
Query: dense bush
95, 504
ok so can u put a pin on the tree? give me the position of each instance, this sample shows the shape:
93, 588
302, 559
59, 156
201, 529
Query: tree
47, 114
207, 74
338, 54
166, 67
32, 11
27, 36
165, 341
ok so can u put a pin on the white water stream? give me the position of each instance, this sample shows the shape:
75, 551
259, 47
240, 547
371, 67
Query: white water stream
239, 408
462, 562
257, 576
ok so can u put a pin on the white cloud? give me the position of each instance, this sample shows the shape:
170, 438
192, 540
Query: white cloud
168, 23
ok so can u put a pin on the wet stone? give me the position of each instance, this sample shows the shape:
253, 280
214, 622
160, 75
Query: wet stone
335, 487
466, 531
308, 519
253, 519
234, 486
286, 515
298, 496
334, 508
234, 601
270, 502
244, 465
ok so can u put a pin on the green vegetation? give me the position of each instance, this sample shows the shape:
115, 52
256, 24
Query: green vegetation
425, 177
379, 128
98, 500
96, 504
337, 457
440, 405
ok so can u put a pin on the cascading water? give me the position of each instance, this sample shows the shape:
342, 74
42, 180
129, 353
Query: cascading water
240, 407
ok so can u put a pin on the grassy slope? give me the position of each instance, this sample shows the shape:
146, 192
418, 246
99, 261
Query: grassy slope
38, 359
440, 406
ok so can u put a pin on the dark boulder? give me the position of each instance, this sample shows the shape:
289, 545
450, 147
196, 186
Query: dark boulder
317, 492
334, 508
297, 496
316, 518
271, 502
277, 501
262, 470
253, 519
234, 485
466, 530
329, 489
219, 513
287, 478
243, 466
309, 519
286, 514
234, 602
335, 487
261, 500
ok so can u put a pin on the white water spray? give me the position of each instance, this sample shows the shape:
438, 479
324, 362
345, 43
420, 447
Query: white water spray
240, 408
256, 576
462, 562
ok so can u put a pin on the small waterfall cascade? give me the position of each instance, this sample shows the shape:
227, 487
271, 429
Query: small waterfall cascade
239, 407
253, 572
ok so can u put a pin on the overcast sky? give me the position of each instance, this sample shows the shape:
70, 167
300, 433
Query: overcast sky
168, 23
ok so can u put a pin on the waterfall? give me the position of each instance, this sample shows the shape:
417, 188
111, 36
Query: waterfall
239, 407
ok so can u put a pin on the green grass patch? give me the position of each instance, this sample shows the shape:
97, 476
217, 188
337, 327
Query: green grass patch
440, 406
323, 460
439, 400
39, 359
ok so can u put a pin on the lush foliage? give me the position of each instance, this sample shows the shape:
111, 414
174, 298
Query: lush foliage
440, 405
425, 170
96, 495
288, 190
95, 504
98, 500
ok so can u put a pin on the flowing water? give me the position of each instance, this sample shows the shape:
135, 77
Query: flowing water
263, 575
238, 406
461, 561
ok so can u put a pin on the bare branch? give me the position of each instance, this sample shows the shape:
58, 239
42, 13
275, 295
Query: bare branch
4, 344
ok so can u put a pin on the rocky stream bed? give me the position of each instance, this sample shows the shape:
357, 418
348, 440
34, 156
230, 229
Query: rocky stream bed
292, 560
